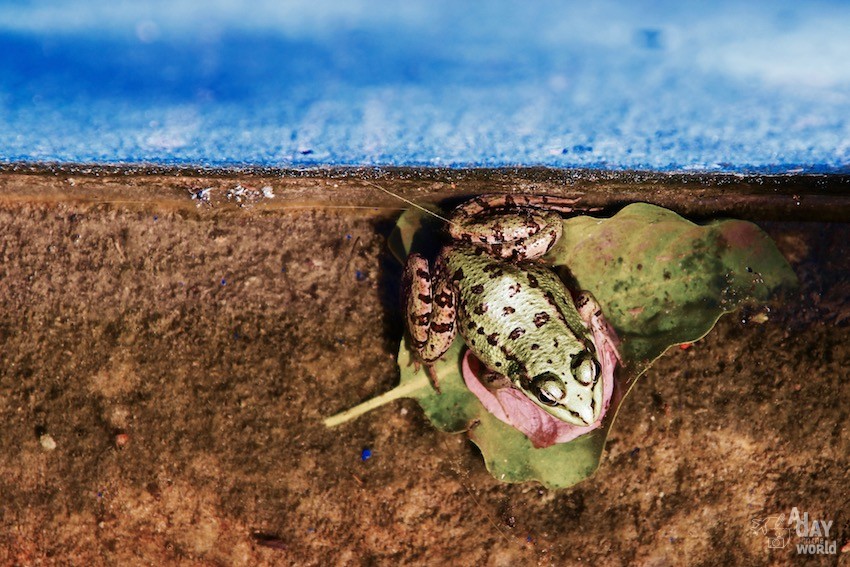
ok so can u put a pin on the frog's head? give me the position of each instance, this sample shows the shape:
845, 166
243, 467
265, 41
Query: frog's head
573, 395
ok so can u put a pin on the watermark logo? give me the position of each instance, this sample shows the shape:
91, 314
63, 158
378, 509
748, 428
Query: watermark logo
809, 536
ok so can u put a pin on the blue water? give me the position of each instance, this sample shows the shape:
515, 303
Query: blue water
729, 87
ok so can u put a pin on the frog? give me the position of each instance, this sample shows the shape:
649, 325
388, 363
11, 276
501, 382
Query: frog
514, 313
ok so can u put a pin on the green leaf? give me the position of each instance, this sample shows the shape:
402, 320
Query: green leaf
661, 281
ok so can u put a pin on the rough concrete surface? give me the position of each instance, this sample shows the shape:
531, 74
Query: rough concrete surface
165, 366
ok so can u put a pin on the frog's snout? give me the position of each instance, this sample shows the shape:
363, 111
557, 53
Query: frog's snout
586, 412
575, 404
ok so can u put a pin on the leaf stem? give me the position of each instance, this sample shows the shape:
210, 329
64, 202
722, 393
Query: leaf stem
403, 390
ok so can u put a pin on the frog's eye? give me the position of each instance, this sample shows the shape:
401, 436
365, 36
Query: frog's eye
585, 368
544, 399
549, 389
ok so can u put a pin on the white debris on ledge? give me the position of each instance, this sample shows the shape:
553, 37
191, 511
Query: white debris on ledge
201, 195
246, 196
240, 194
237, 194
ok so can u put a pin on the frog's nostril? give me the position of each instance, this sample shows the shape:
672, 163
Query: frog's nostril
587, 416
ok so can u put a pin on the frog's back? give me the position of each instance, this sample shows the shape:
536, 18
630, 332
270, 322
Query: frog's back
511, 311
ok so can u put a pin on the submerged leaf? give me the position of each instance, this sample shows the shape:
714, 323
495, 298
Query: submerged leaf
660, 279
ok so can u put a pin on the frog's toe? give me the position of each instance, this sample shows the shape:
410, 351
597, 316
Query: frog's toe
432, 375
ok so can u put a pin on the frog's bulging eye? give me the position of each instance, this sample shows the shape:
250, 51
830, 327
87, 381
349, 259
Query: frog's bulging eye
549, 389
546, 400
585, 368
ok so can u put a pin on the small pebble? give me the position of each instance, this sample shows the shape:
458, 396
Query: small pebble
759, 318
121, 440
47, 442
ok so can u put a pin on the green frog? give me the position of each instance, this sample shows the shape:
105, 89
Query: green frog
515, 315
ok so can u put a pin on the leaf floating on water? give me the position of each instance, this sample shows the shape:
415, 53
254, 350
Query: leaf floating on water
661, 281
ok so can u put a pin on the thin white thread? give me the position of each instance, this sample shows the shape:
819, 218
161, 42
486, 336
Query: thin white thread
409, 202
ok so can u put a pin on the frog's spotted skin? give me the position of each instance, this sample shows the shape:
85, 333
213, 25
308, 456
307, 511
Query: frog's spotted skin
431, 318
516, 317
419, 301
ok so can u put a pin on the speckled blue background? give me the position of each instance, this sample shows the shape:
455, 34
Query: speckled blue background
731, 86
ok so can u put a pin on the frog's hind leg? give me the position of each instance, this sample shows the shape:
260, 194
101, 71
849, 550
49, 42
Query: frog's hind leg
431, 310
515, 227
482, 203
520, 234
418, 301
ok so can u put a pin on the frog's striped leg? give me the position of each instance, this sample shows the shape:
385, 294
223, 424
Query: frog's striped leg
430, 309
417, 300
517, 227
